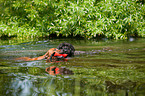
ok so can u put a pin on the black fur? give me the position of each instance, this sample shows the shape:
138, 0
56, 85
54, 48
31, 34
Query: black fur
66, 48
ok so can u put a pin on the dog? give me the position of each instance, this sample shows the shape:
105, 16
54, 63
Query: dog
54, 54
66, 48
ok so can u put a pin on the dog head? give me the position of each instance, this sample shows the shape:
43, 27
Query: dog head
66, 48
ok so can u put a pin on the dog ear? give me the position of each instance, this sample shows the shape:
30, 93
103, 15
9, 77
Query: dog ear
66, 48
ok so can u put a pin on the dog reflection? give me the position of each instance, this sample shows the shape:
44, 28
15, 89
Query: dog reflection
53, 70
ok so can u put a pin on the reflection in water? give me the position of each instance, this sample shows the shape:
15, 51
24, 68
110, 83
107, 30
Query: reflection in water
22, 86
33, 86
127, 86
101, 69
53, 70
53, 86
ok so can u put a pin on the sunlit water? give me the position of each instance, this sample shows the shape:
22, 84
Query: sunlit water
99, 68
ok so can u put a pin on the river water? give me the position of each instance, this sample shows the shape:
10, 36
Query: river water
99, 68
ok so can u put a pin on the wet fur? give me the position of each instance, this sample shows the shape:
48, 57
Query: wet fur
45, 56
66, 48
63, 48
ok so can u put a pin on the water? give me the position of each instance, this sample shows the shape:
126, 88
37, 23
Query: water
102, 68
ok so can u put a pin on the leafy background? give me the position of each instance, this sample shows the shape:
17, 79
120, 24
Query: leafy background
115, 19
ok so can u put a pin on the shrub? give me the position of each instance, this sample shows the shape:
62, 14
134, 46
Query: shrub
116, 19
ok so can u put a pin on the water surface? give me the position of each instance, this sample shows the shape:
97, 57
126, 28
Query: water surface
105, 67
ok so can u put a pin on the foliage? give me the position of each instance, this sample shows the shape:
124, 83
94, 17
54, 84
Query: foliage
116, 19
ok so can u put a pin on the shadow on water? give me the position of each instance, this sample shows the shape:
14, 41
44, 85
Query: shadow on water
98, 68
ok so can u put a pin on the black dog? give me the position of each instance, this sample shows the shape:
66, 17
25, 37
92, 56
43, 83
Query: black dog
66, 48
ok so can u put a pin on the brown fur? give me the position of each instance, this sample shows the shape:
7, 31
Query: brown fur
46, 55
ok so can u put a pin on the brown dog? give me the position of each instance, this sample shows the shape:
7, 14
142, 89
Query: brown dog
54, 54
47, 55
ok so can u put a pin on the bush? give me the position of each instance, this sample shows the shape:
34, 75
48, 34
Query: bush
116, 19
